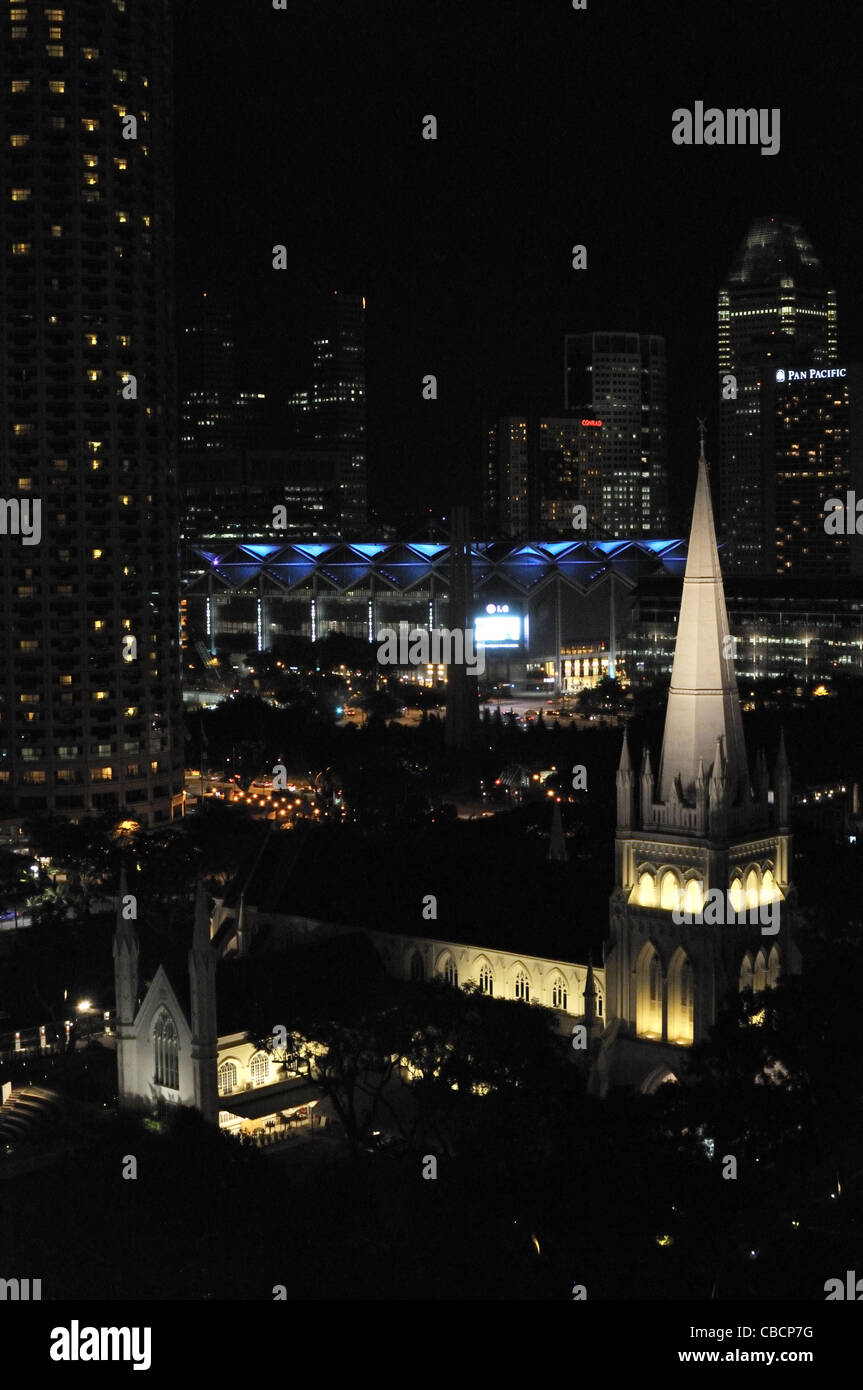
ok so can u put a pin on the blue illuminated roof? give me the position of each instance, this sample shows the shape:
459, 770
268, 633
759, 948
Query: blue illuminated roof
397, 566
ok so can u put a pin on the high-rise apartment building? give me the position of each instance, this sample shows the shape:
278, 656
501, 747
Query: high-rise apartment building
620, 381
330, 413
90, 704
774, 308
812, 424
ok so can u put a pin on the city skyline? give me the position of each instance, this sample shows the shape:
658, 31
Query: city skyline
483, 290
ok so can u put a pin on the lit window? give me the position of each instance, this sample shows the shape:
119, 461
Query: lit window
98, 624
103, 774
93, 374
54, 50
20, 195
130, 711
20, 84
29, 699
57, 87
56, 230
96, 554
21, 248
65, 680
89, 123
25, 484
259, 1069
26, 645
227, 1078
166, 1052
120, 74
126, 500
100, 695
120, 162
122, 216
16, 141
57, 15
89, 54
21, 429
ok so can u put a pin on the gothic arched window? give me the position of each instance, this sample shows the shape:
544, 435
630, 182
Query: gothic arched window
759, 983
450, 971
259, 1069
669, 891
486, 980
227, 1078
648, 993
558, 994
746, 973
655, 976
522, 987
774, 968
166, 1057
418, 970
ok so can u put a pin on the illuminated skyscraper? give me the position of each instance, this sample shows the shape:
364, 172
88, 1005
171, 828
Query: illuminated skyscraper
619, 379
813, 451
330, 414
774, 308
90, 705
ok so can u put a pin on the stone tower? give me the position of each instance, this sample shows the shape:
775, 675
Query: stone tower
702, 901
202, 990
125, 951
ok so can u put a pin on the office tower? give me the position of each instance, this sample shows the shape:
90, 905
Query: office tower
90, 705
207, 416
330, 413
535, 468
234, 494
214, 415
813, 450
774, 307
619, 379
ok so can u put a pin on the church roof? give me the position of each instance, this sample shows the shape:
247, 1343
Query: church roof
703, 703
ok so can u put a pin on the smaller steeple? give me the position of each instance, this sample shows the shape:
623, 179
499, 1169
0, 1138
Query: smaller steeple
125, 952
625, 780
590, 996
782, 782
202, 990
646, 787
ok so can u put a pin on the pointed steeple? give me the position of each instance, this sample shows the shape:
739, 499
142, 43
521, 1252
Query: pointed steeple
202, 991
646, 786
625, 784
782, 783
702, 701
125, 950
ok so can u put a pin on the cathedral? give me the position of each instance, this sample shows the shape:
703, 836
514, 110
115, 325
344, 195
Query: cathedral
704, 821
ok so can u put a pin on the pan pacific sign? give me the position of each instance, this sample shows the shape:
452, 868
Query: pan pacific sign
784, 375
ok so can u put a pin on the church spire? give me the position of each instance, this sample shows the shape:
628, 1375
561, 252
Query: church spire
702, 701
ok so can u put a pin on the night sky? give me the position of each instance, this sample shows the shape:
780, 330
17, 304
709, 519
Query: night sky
303, 126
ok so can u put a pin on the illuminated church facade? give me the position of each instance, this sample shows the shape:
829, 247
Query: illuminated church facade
702, 823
